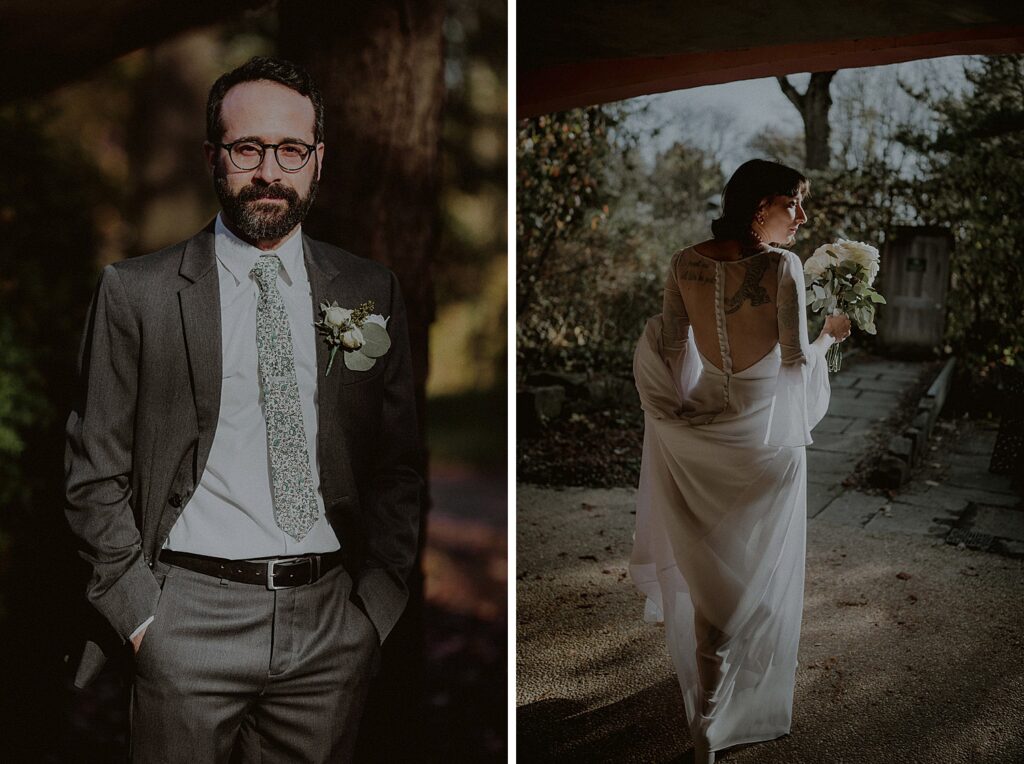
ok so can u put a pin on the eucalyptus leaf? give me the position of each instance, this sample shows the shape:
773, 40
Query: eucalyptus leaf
876, 297
819, 292
357, 361
376, 341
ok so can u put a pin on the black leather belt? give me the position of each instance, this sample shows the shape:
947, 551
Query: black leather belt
274, 573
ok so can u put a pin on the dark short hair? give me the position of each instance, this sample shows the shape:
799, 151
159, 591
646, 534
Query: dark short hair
753, 182
264, 68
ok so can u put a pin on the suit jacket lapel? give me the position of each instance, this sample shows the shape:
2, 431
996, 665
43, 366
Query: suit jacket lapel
332, 447
322, 270
200, 319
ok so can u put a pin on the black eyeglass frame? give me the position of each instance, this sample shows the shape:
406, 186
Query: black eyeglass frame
263, 153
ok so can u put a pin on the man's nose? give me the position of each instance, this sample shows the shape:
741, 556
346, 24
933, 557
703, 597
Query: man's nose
268, 170
801, 216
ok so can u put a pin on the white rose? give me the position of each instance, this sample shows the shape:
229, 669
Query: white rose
860, 253
336, 316
353, 338
817, 263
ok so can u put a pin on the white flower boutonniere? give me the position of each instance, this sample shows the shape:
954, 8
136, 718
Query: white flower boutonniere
360, 332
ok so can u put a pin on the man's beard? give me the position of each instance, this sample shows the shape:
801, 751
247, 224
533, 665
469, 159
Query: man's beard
259, 221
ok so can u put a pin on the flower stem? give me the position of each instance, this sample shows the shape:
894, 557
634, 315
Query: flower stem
330, 361
834, 356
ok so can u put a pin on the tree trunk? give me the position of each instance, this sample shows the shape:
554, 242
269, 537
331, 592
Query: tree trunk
380, 66
813, 106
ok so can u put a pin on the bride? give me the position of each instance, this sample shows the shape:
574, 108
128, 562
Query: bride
730, 388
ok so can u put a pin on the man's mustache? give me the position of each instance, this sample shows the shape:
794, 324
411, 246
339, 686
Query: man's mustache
254, 193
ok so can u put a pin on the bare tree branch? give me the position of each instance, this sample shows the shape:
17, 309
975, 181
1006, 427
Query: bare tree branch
795, 97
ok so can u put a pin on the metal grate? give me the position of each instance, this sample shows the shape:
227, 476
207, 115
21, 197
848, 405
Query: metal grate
971, 539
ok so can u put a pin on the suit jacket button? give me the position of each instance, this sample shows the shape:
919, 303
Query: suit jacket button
175, 500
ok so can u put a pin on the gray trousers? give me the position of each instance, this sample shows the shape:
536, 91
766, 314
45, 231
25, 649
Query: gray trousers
275, 676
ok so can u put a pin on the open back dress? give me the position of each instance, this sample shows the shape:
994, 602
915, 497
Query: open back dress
730, 387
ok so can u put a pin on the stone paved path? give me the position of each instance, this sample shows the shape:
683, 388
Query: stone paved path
952, 489
911, 647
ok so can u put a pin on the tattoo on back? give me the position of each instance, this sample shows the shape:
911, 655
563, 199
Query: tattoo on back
751, 287
696, 270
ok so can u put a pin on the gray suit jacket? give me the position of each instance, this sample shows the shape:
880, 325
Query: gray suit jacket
144, 420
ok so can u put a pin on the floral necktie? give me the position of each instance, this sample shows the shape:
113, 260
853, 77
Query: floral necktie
295, 508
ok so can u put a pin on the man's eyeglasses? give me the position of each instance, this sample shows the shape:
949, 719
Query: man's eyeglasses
248, 155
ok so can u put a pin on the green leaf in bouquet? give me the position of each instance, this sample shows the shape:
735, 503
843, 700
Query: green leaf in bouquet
876, 297
819, 291
376, 341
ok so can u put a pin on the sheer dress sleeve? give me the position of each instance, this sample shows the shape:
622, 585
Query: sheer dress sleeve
675, 324
677, 347
802, 389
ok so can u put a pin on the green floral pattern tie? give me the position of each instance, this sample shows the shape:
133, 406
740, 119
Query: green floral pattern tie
295, 508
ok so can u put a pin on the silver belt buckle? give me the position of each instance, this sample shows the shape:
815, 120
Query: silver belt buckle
271, 564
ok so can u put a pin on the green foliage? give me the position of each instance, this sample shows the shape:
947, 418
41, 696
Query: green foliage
21, 406
972, 165
48, 247
558, 164
594, 247
470, 269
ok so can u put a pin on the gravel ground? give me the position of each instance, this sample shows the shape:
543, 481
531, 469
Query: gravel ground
911, 651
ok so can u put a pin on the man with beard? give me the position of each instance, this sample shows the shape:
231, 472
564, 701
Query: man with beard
242, 457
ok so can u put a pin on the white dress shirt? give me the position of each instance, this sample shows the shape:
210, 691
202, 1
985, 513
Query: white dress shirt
231, 513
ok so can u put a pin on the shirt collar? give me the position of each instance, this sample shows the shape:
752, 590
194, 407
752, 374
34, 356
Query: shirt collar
239, 256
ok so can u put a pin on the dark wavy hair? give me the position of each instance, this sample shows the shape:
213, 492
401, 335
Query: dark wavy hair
754, 182
264, 68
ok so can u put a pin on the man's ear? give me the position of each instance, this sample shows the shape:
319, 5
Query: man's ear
211, 155
319, 160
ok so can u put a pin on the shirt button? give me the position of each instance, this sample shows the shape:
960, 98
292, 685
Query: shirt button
175, 500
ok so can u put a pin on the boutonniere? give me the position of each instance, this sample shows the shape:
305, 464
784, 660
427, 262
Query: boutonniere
360, 332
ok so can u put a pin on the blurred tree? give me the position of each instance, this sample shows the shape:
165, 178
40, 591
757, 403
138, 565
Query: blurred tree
598, 283
468, 339
813, 105
778, 146
683, 182
48, 242
381, 68
46, 45
972, 162
558, 165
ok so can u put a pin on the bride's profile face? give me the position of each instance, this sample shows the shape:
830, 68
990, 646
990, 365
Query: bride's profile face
782, 216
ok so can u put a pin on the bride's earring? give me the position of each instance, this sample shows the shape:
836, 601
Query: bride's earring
759, 222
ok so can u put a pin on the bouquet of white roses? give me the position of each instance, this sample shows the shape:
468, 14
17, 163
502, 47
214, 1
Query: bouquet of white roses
839, 278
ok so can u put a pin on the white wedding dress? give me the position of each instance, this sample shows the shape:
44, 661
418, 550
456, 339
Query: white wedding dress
721, 506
